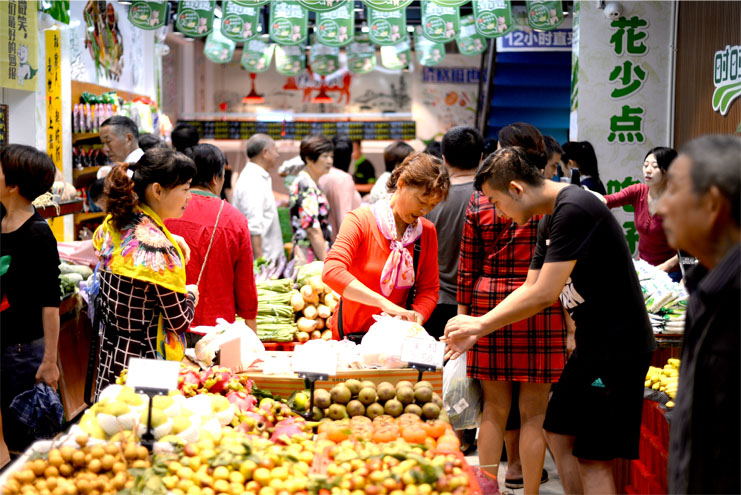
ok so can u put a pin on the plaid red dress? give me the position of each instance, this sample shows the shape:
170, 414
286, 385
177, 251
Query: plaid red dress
494, 261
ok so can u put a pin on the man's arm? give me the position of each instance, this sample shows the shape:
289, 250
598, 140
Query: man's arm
48, 372
256, 245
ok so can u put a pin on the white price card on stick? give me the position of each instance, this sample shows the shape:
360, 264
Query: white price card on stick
153, 374
427, 352
317, 357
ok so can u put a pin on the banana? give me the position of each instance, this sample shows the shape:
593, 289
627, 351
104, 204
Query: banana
674, 362
656, 386
647, 384
670, 404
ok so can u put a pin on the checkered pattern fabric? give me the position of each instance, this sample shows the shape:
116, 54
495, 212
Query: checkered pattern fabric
40, 410
131, 311
494, 261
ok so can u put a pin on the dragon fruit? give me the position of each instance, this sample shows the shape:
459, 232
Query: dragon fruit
288, 429
189, 382
215, 378
242, 400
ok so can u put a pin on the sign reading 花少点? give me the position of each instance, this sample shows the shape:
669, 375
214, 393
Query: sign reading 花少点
469, 41
195, 17
19, 64
544, 14
387, 5
148, 15
428, 52
288, 22
323, 5
361, 55
493, 18
324, 59
726, 77
440, 24
335, 27
290, 60
218, 48
239, 22
387, 28
256, 55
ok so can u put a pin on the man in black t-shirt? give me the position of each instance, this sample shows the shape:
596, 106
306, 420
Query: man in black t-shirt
582, 257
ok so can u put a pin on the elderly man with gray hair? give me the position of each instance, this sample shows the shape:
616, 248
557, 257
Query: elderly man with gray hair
253, 196
701, 209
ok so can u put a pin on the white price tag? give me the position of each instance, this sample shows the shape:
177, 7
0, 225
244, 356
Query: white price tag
423, 351
316, 359
153, 373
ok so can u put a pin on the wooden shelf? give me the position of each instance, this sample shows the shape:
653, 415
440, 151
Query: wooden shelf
92, 215
79, 172
64, 209
84, 136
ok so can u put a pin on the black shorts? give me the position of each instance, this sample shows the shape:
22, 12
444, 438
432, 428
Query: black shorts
599, 403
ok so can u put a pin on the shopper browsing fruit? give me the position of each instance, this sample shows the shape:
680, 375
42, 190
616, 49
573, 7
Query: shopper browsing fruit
652, 244
372, 262
594, 414
142, 270
29, 285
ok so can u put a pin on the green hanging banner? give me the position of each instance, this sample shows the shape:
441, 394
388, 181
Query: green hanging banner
195, 17
469, 41
253, 3
387, 5
148, 15
58, 9
544, 15
288, 22
428, 52
387, 28
450, 3
335, 27
256, 55
240, 22
323, 5
493, 18
361, 55
218, 48
290, 60
440, 24
396, 57
324, 60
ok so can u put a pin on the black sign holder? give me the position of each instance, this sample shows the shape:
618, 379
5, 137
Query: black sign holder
421, 368
310, 380
147, 438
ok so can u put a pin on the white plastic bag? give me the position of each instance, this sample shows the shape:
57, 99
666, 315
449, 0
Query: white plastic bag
381, 346
462, 396
224, 331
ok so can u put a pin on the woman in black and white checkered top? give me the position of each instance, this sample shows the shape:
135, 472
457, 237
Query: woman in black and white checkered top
142, 270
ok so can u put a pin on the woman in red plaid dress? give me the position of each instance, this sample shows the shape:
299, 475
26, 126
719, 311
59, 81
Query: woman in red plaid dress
494, 261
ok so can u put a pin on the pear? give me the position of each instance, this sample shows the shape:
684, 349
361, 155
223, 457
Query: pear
354, 386
322, 398
367, 395
340, 394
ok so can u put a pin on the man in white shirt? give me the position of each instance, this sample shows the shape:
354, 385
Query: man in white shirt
120, 138
253, 196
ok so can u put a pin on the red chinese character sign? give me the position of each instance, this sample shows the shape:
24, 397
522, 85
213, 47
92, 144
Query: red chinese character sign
19, 64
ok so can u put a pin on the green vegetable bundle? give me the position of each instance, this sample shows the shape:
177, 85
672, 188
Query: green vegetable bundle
274, 332
281, 285
270, 319
279, 310
270, 297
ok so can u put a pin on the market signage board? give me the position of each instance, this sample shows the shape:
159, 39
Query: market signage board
557, 40
428, 352
428, 52
544, 14
324, 59
195, 18
387, 5
288, 22
387, 28
361, 55
148, 15
624, 110
335, 27
290, 60
157, 374
54, 96
396, 57
325, 5
493, 18
469, 41
256, 55
440, 24
218, 48
726, 77
18, 45
240, 23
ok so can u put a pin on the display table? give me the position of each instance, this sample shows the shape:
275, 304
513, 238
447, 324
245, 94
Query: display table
648, 474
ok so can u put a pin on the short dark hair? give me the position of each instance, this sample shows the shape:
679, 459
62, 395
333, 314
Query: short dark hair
716, 161
552, 147
462, 147
342, 152
210, 162
490, 146
423, 171
148, 141
505, 165
96, 190
395, 153
122, 125
184, 136
256, 144
434, 148
527, 137
314, 146
664, 156
28, 168
582, 152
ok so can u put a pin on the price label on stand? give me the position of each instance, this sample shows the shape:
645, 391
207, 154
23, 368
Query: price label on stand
315, 360
428, 353
153, 374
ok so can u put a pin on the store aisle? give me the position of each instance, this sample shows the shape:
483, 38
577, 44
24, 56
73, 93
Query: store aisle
552, 487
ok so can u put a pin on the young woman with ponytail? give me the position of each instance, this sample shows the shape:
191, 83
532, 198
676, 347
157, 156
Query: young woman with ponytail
142, 269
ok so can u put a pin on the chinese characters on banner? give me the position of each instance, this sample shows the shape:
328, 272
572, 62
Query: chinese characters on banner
54, 97
18, 55
628, 42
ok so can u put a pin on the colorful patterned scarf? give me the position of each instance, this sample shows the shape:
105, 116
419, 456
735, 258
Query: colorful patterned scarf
398, 272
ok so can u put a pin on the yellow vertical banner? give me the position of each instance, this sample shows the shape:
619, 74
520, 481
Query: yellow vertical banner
54, 97
18, 44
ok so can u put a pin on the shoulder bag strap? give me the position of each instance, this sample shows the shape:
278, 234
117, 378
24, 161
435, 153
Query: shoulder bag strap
413, 291
340, 323
210, 243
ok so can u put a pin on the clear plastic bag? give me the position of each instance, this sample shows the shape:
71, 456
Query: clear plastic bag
381, 346
463, 398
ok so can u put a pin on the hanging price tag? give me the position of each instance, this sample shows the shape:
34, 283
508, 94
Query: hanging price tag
423, 352
152, 374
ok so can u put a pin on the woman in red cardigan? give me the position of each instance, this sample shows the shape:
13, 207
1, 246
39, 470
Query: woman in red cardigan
652, 244
371, 264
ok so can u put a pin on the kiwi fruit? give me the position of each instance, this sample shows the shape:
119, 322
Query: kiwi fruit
405, 395
367, 395
374, 410
340, 394
322, 398
394, 408
355, 408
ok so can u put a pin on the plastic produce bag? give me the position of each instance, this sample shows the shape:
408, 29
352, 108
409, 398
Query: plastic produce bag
463, 398
381, 346
224, 331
